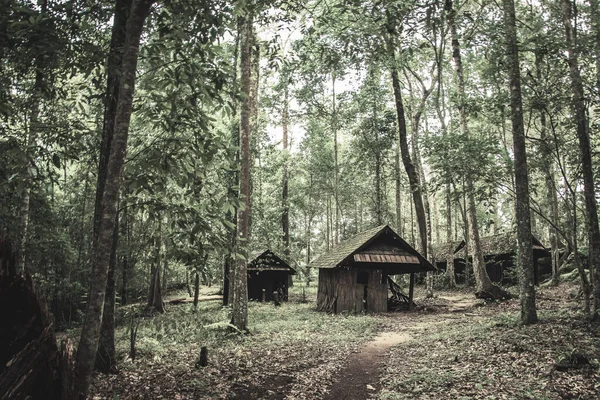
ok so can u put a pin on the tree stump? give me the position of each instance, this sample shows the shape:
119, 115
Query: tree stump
203, 360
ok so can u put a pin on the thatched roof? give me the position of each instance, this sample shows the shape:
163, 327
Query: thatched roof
267, 260
503, 243
440, 251
344, 252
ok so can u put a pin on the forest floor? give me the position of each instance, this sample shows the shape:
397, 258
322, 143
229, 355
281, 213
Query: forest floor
452, 347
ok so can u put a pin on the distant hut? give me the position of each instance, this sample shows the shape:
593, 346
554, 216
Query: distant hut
499, 252
268, 273
440, 255
353, 275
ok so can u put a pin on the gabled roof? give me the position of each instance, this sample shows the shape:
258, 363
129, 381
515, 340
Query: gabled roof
267, 260
440, 251
503, 243
343, 252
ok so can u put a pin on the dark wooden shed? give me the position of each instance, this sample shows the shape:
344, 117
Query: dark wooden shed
499, 252
353, 275
269, 272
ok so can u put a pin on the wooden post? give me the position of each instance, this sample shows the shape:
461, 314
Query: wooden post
264, 295
411, 291
276, 299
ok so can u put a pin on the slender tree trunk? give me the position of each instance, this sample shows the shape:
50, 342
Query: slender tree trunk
595, 19
426, 204
482, 280
399, 221
285, 214
232, 182
196, 289
441, 112
240, 293
551, 191
30, 145
106, 359
586, 153
450, 257
187, 283
327, 223
165, 262
115, 59
585, 285
253, 124
90, 334
336, 181
378, 194
151, 285
125, 257
156, 297
411, 171
522, 214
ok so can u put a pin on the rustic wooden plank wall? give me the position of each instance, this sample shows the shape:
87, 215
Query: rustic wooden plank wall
339, 291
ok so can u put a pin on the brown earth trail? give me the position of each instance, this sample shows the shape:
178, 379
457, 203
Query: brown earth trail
359, 380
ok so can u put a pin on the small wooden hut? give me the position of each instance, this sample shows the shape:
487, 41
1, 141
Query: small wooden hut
499, 252
441, 253
268, 273
353, 275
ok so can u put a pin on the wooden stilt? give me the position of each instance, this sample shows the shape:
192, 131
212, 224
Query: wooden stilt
411, 291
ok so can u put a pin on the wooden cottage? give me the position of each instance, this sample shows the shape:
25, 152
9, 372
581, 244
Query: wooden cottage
441, 254
499, 252
267, 273
353, 275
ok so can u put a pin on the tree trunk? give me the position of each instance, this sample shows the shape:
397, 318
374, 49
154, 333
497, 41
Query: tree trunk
125, 257
156, 297
450, 257
378, 193
88, 343
583, 136
411, 171
253, 121
522, 214
187, 283
30, 145
399, 221
150, 298
482, 280
551, 191
196, 289
595, 19
115, 60
426, 205
106, 359
327, 223
285, 214
336, 179
165, 262
232, 182
240, 293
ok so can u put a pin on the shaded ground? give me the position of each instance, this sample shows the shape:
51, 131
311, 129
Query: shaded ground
453, 346
359, 379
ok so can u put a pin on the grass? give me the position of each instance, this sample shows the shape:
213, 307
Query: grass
293, 336
481, 353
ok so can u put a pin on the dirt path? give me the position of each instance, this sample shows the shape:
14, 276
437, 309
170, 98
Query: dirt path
360, 378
